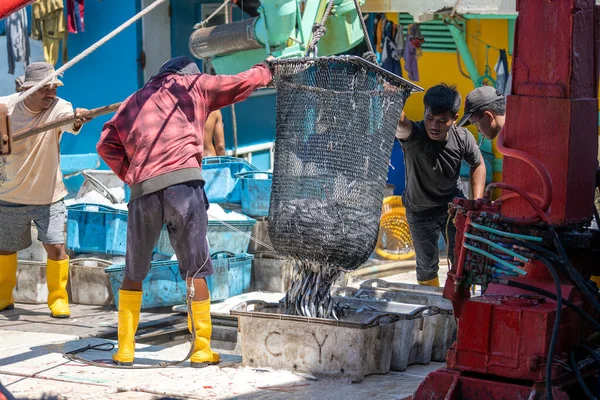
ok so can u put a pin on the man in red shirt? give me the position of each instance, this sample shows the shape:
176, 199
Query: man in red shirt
154, 143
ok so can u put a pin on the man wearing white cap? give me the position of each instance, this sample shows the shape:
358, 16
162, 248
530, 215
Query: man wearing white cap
31, 188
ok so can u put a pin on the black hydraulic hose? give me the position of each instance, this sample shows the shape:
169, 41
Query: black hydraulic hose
537, 248
556, 327
592, 352
579, 378
573, 275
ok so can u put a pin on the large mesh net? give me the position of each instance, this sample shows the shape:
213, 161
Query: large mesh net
336, 121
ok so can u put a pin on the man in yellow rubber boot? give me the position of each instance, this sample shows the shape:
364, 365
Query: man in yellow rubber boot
31, 189
434, 149
154, 143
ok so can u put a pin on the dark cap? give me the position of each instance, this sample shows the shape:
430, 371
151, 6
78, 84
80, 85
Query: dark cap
478, 99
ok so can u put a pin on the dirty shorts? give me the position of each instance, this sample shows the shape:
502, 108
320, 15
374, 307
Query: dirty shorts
182, 208
15, 223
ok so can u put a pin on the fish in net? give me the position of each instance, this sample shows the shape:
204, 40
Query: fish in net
336, 123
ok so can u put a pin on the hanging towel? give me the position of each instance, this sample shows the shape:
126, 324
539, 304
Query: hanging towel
75, 15
416, 38
379, 34
17, 39
412, 50
501, 69
388, 61
399, 41
49, 26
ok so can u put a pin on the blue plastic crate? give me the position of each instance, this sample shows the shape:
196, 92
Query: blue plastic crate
222, 185
240, 274
96, 228
163, 287
256, 193
218, 283
234, 238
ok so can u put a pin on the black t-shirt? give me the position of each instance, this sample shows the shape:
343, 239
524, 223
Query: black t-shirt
433, 167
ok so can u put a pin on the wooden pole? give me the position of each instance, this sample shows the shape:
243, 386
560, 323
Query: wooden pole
65, 121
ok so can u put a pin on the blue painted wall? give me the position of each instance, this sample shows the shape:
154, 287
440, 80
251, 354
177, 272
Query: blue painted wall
108, 75
396, 170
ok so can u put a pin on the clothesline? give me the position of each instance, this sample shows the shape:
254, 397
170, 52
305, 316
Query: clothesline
86, 52
473, 36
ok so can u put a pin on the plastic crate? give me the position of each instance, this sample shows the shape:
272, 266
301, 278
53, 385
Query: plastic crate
256, 193
102, 179
240, 274
96, 228
218, 283
219, 173
163, 287
232, 238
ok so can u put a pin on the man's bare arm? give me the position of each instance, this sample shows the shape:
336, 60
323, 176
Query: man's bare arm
404, 128
209, 129
219, 135
478, 179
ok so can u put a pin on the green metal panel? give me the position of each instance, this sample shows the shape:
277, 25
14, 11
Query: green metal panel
343, 32
277, 21
235, 63
437, 34
511, 35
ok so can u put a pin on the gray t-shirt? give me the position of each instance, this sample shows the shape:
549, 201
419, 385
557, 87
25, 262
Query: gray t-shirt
433, 167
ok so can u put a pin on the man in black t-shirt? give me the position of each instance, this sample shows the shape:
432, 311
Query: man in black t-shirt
433, 151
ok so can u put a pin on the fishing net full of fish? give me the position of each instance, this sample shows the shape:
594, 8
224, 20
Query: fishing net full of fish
336, 122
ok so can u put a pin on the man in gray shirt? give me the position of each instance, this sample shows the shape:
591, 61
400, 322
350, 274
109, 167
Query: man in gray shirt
433, 151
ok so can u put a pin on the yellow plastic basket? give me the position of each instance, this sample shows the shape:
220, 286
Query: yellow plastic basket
394, 241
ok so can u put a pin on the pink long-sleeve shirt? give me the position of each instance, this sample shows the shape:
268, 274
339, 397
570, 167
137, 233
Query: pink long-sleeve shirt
160, 128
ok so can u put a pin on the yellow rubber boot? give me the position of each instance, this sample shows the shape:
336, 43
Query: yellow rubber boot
433, 282
130, 303
596, 280
203, 355
57, 276
8, 281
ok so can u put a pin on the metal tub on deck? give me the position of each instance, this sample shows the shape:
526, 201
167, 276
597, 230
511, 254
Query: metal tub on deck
357, 346
432, 335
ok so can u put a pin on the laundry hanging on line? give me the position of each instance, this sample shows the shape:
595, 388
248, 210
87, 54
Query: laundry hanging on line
389, 57
17, 39
389, 44
412, 51
75, 10
50, 27
502, 72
